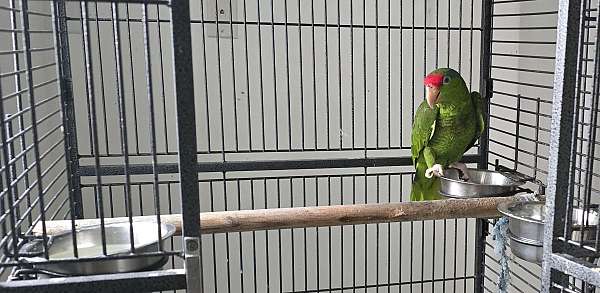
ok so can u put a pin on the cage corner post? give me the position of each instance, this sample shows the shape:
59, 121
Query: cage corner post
560, 175
63, 59
186, 141
485, 87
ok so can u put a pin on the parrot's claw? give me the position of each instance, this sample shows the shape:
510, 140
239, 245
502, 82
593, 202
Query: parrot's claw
435, 170
463, 170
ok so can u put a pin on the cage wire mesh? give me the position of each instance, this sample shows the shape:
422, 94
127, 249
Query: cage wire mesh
34, 170
264, 93
522, 70
579, 233
320, 79
323, 89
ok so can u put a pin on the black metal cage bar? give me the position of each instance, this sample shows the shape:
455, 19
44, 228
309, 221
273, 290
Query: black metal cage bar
123, 109
571, 238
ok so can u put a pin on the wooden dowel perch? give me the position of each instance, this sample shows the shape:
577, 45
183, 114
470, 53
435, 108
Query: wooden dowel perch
302, 217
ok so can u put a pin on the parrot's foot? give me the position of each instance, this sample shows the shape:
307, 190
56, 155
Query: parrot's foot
436, 170
463, 170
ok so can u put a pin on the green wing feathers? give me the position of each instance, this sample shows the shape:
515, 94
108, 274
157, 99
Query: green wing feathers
478, 104
423, 129
478, 112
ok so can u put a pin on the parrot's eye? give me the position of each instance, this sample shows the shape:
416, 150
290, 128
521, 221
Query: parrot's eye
446, 80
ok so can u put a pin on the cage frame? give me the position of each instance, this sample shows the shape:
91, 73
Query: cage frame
562, 259
188, 166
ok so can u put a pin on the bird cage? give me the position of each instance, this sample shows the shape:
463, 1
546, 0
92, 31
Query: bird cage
264, 145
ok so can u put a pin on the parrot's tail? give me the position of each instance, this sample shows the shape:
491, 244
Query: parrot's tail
424, 188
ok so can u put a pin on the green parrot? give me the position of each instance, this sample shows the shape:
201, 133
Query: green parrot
447, 124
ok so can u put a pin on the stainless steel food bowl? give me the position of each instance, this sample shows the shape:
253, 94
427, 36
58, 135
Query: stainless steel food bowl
526, 219
89, 245
526, 227
526, 249
482, 183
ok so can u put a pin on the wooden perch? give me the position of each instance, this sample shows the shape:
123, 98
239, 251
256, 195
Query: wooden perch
303, 217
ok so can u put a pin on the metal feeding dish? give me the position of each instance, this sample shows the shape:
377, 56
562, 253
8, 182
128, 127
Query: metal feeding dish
89, 245
526, 227
481, 183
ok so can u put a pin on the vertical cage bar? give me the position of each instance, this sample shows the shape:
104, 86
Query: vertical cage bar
582, 67
8, 193
63, 61
485, 82
204, 67
19, 100
240, 241
328, 125
314, 75
186, 141
133, 86
485, 89
34, 130
587, 199
101, 88
248, 109
220, 74
301, 75
578, 118
287, 72
213, 240
254, 262
93, 120
560, 173
152, 120
274, 74
594, 123
162, 82
537, 137
11, 170
351, 80
234, 85
120, 90
260, 74
517, 131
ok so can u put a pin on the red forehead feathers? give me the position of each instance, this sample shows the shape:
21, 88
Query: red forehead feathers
434, 80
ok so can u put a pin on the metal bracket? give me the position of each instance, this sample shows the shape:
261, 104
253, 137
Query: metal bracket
193, 267
518, 176
192, 246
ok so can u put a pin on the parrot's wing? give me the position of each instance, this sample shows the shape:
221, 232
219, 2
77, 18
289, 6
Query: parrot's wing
423, 129
478, 110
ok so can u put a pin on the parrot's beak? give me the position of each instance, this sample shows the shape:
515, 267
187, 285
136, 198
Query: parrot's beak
433, 82
432, 96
